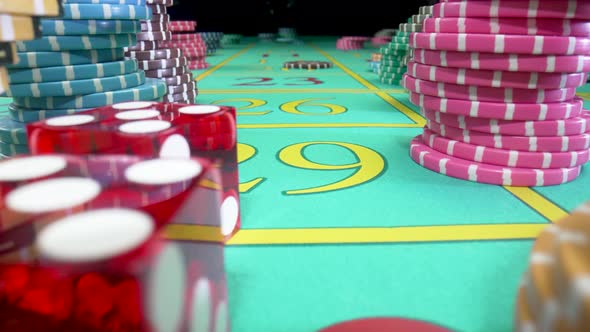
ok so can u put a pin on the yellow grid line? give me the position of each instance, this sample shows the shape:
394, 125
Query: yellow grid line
390, 100
328, 125
223, 63
363, 235
539, 203
534, 200
265, 91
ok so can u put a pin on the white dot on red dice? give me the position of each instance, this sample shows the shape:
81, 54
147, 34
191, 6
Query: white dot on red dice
167, 290
132, 105
175, 146
221, 317
52, 194
163, 171
95, 235
199, 109
144, 127
33, 167
230, 212
137, 115
69, 120
201, 306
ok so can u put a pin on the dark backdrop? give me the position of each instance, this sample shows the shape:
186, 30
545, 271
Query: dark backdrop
309, 17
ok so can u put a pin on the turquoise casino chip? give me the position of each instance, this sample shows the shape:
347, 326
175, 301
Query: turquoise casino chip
108, 2
9, 149
77, 87
150, 90
74, 72
74, 43
89, 27
105, 12
25, 115
66, 58
12, 131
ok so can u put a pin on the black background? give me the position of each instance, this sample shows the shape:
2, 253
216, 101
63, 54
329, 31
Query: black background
309, 17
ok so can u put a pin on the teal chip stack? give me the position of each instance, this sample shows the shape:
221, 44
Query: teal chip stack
395, 55
212, 40
77, 64
286, 35
230, 39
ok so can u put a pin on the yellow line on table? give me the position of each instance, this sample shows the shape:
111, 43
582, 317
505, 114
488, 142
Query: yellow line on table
352, 74
399, 106
222, 63
193, 233
537, 202
386, 235
420, 121
238, 91
417, 234
327, 125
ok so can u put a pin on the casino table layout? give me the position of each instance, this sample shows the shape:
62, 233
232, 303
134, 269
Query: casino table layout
339, 224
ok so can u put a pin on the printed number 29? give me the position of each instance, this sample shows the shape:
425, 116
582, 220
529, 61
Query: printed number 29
368, 166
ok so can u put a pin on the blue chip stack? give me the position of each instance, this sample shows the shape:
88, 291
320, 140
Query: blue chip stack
212, 40
77, 64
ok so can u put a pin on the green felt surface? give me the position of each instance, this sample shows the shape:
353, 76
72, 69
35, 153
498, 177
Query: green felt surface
463, 285
344, 137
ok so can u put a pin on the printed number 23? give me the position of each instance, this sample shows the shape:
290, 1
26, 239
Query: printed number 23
268, 81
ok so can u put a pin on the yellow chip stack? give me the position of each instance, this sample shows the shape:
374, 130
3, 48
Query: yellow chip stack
19, 20
554, 295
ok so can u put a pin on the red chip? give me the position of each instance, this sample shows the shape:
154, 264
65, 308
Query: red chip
384, 324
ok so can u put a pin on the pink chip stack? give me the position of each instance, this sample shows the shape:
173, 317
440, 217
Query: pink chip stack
351, 43
191, 43
496, 82
380, 40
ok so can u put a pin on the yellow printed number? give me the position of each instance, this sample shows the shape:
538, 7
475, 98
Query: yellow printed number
245, 153
369, 165
293, 107
250, 104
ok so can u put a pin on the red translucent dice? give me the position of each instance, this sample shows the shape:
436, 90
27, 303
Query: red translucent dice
82, 245
151, 129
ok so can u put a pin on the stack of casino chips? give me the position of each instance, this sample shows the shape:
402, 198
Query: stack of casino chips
375, 62
230, 39
266, 36
212, 40
77, 64
18, 21
162, 61
382, 37
553, 294
191, 43
496, 81
395, 55
286, 35
348, 43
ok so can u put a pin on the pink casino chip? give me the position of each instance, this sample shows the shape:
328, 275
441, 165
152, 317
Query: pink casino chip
505, 62
501, 44
463, 169
503, 157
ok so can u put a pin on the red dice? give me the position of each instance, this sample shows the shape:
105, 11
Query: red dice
82, 245
151, 129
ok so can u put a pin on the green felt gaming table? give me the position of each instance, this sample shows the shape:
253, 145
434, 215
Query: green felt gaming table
339, 224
